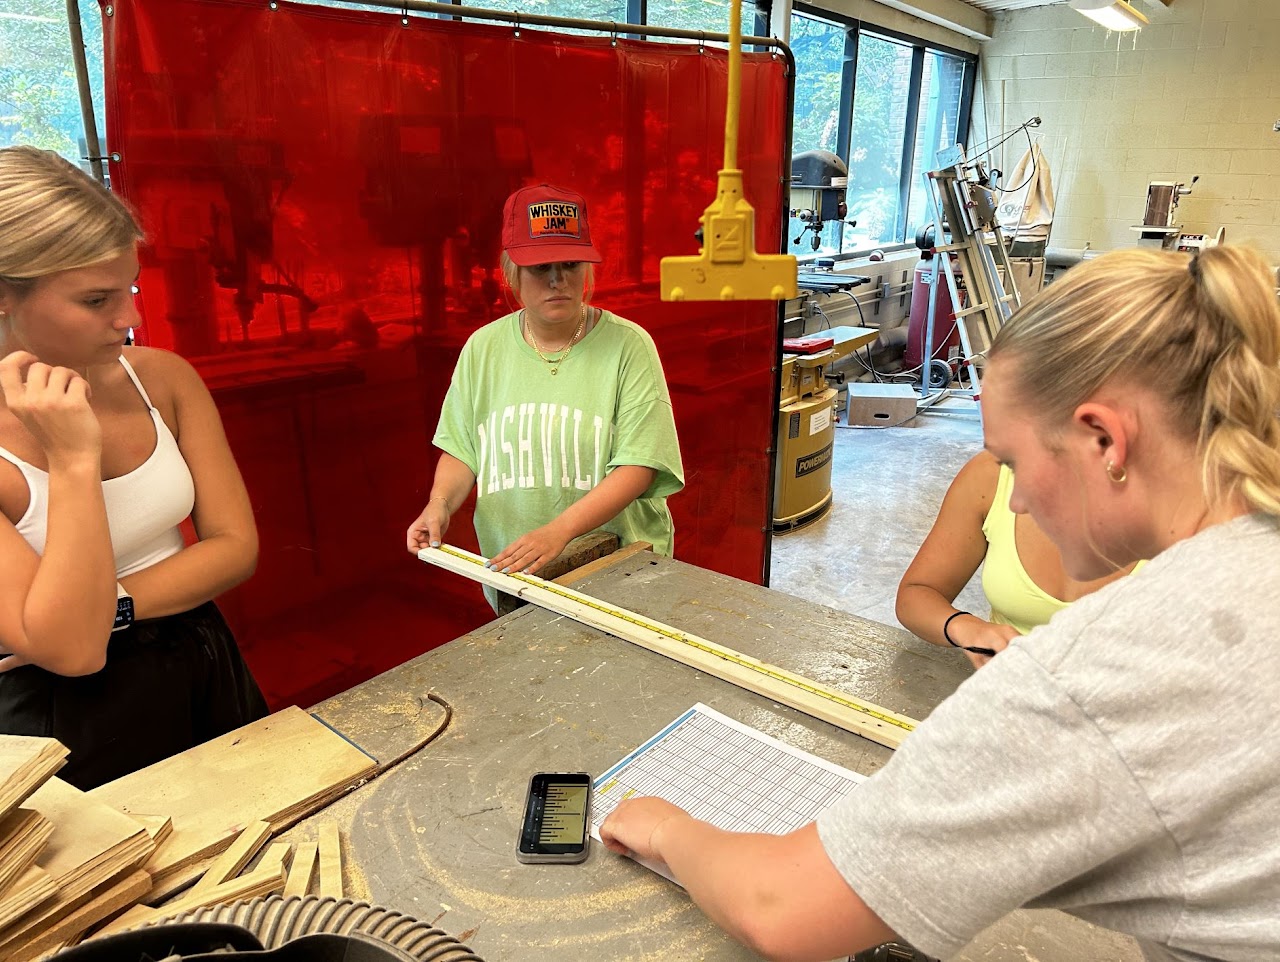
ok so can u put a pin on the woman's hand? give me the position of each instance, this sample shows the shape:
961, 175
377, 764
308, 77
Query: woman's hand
53, 404
632, 827
531, 551
970, 631
428, 528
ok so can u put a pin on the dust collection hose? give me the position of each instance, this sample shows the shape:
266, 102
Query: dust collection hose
275, 921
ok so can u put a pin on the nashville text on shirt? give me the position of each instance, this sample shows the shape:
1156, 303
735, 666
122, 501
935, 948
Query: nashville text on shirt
551, 445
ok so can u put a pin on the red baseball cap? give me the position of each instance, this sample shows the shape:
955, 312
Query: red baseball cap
545, 224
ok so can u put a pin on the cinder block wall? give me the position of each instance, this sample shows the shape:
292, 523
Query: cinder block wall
1196, 92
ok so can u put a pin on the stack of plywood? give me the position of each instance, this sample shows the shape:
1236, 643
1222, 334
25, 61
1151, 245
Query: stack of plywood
25, 765
74, 863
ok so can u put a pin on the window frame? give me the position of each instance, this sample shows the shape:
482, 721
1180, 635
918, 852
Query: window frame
920, 49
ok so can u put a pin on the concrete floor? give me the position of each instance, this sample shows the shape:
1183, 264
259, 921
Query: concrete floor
888, 484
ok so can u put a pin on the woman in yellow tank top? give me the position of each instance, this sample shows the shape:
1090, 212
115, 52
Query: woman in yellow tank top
1022, 576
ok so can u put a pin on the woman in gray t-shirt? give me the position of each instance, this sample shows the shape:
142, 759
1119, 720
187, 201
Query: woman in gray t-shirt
1094, 765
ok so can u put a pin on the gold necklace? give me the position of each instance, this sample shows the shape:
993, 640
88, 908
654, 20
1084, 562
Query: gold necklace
554, 362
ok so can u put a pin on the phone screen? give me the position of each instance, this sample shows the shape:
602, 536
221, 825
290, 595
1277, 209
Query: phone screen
555, 817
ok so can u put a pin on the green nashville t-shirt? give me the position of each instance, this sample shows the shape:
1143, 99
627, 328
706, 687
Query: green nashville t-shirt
538, 442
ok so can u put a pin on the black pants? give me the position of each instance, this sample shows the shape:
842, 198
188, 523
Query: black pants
169, 683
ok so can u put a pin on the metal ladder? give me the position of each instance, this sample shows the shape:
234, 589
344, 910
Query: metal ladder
964, 215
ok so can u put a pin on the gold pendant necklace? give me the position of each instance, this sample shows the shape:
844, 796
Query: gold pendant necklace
553, 362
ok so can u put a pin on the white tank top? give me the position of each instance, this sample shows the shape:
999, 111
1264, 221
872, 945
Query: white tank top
144, 507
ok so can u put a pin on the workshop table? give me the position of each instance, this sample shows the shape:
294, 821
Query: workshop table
534, 691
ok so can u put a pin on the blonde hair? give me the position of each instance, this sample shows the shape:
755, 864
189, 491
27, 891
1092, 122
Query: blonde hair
54, 217
1203, 333
511, 274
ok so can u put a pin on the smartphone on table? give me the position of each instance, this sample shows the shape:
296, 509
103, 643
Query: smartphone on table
556, 818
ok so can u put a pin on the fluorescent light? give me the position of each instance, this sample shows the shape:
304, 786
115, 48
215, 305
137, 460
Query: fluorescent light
1112, 14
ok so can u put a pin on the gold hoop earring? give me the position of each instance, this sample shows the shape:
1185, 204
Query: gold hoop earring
1116, 478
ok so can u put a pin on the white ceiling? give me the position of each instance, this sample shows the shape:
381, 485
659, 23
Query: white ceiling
992, 6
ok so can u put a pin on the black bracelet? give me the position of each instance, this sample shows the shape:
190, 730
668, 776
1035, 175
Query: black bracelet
989, 652
945, 634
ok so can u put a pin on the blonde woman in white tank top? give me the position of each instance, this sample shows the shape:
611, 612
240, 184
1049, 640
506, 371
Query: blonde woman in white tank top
104, 451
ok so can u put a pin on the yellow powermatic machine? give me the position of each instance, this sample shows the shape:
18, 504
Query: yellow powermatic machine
807, 424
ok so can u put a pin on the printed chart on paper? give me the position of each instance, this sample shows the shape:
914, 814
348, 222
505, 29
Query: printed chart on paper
726, 773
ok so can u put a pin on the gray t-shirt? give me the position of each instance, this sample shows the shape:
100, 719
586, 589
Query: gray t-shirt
1121, 763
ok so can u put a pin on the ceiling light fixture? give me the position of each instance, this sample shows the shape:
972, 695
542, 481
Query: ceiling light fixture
1112, 14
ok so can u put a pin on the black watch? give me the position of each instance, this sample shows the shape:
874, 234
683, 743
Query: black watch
124, 609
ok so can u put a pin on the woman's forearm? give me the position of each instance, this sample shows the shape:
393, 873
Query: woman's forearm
191, 577
922, 610
71, 605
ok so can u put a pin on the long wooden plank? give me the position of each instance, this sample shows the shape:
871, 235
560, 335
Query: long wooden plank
269, 770
839, 708
303, 868
330, 861
120, 894
230, 863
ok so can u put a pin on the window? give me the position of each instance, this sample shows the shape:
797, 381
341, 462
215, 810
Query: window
882, 95
885, 105
709, 15
822, 65
39, 100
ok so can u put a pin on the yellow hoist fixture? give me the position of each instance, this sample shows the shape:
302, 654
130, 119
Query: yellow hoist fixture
727, 267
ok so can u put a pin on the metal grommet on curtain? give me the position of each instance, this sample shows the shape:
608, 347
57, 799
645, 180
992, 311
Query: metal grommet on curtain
273, 5
404, 15
516, 13
702, 41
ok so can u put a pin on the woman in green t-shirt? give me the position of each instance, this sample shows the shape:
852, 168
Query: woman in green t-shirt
558, 414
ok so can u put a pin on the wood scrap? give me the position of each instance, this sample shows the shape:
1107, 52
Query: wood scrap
92, 843
260, 882
116, 895
33, 888
26, 763
303, 868
277, 855
599, 564
274, 769
330, 861
230, 863
23, 836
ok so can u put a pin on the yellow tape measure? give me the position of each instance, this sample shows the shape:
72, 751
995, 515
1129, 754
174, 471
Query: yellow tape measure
725, 654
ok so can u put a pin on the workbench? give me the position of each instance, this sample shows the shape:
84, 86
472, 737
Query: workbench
533, 691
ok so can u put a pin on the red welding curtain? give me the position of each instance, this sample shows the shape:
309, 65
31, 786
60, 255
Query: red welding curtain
322, 191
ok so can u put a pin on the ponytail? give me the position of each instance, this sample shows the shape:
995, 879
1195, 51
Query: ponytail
1203, 333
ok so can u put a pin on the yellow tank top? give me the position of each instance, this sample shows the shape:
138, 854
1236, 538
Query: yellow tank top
1014, 598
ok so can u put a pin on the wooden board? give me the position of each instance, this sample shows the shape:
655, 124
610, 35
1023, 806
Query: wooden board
298, 881
330, 861
236, 857
269, 770
591, 567
121, 893
23, 836
26, 763
91, 844
838, 708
